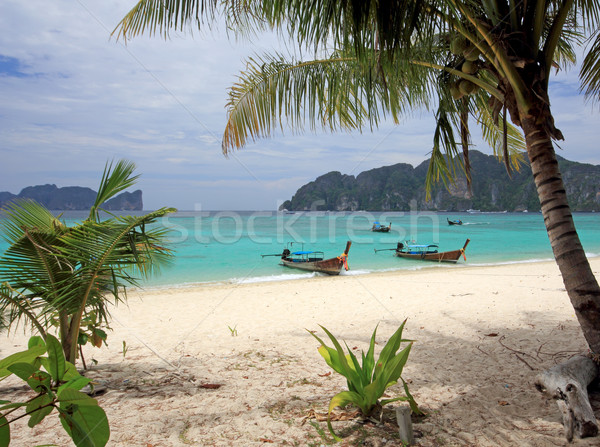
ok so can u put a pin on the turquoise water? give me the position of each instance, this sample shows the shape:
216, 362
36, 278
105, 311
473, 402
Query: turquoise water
227, 246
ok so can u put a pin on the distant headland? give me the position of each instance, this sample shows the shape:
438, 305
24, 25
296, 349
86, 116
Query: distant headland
73, 198
401, 187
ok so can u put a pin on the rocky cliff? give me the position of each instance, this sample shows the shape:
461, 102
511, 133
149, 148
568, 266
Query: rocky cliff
394, 188
73, 198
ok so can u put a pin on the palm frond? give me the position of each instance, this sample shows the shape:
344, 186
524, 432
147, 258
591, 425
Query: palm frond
107, 255
161, 16
443, 161
27, 213
114, 180
494, 135
16, 306
590, 70
32, 263
339, 93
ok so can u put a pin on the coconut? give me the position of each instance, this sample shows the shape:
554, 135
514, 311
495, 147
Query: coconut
469, 67
458, 45
455, 91
467, 87
471, 53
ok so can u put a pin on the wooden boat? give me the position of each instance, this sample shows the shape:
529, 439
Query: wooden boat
428, 252
313, 261
378, 228
454, 222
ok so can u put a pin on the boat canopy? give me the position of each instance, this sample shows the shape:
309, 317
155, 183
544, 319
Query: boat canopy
422, 246
305, 252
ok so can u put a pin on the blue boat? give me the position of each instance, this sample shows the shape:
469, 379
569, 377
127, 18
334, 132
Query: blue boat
379, 228
313, 261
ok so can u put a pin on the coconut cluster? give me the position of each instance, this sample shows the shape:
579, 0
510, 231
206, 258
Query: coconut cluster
469, 55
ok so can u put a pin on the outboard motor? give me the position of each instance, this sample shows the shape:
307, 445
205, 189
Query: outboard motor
400, 246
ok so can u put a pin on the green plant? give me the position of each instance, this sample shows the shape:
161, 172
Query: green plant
367, 382
69, 274
233, 330
57, 387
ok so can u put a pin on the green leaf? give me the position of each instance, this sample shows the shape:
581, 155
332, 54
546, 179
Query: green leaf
39, 408
22, 370
331, 357
369, 359
86, 425
34, 341
56, 358
393, 369
76, 383
67, 395
341, 400
28, 356
40, 382
346, 370
411, 400
389, 350
70, 372
4, 432
6, 405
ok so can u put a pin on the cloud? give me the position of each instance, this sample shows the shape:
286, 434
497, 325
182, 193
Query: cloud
72, 98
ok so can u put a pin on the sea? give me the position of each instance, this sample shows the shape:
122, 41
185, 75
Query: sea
244, 246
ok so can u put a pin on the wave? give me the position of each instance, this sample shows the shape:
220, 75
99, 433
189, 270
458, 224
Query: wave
522, 261
271, 278
356, 272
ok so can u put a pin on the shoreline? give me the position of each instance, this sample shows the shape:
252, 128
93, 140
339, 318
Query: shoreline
482, 335
295, 275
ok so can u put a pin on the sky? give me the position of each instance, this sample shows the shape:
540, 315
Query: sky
72, 98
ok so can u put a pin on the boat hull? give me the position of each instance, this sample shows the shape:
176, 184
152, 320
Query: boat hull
331, 266
444, 256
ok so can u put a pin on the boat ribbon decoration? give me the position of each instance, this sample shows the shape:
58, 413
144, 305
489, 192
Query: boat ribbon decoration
344, 258
462, 252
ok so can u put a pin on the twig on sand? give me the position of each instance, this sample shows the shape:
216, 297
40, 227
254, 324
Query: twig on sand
523, 360
481, 350
513, 350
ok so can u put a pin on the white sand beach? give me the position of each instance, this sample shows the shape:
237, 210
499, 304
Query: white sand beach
482, 335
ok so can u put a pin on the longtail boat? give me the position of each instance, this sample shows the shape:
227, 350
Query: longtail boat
428, 252
379, 228
313, 261
454, 222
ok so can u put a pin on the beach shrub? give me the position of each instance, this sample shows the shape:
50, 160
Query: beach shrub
53, 272
56, 384
368, 381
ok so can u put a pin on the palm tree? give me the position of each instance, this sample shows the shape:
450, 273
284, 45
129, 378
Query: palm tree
52, 272
488, 59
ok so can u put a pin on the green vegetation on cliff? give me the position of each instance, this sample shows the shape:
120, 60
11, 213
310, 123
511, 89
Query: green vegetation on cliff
394, 188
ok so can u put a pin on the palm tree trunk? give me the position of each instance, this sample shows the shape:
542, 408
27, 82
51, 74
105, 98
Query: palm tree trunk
580, 283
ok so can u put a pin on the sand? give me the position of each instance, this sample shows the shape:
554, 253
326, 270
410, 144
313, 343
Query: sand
234, 365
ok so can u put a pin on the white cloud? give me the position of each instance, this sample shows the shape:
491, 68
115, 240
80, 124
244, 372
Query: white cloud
87, 99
